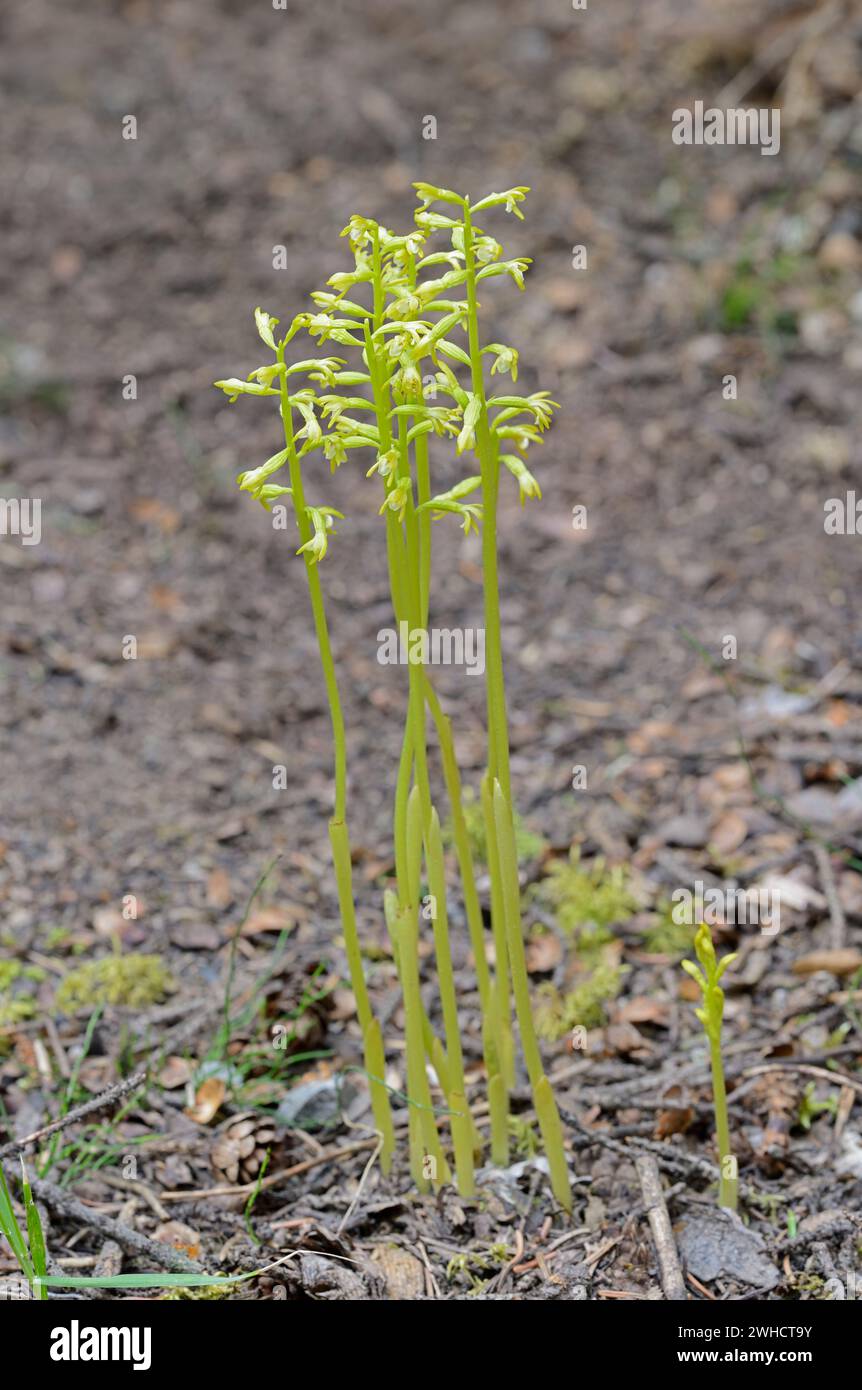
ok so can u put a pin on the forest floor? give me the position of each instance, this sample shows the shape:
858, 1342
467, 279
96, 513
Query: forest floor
693, 649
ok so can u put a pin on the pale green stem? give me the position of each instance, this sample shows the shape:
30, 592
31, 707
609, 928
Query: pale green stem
422, 1123
459, 1114
338, 832
500, 996
728, 1188
464, 854
498, 737
543, 1098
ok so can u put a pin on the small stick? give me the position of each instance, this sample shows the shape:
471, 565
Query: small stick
846, 1101
822, 1074
156, 1252
836, 911
242, 1189
659, 1221
58, 1048
109, 1097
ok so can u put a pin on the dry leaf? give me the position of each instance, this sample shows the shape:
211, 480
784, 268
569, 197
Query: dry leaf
209, 1097
153, 510
624, 1037
165, 599
732, 777
195, 936
342, 1004
108, 922
674, 1121
642, 1009
272, 919
544, 953
727, 834
403, 1274
839, 962
176, 1072
219, 892
181, 1237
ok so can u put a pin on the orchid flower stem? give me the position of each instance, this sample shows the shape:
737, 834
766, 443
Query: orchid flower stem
498, 740
501, 1011
728, 1185
402, 546
462, 1128
452, 775
402, 791
338, 832
543, 1098
423, 494
426, 1139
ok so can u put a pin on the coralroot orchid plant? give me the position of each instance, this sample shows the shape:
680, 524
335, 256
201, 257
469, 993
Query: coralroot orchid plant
711, 1015
409, 315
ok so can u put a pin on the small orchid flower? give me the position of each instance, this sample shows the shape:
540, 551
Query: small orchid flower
233, 388
527, 485
384, 464
397, 498
505, 359
322, 519
265, 325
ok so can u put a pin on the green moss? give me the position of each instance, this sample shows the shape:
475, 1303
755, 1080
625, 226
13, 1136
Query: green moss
136, 981
472, 1264
527, 843
181, 1293
15, 1007
557, 1014
587, 899
666, 937
525, 1141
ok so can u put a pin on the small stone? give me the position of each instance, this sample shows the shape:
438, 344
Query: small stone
313, 1104
716, 1245
822, 331
840, 251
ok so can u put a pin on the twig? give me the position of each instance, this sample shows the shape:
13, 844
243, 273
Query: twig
243, 1189
155, 1252
671, 1273
835, 1077
836, 911
109, 1097
362, 1181
135, 1188
431, 1284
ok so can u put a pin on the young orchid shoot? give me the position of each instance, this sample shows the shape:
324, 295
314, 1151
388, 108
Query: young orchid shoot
707, 978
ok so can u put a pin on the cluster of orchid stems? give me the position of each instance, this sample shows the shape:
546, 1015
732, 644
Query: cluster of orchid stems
410, 315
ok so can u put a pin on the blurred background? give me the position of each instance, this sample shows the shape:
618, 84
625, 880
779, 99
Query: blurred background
259, 127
